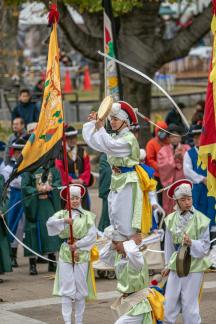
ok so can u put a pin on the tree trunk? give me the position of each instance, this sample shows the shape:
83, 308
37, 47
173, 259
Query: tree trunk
139, 96
8, 43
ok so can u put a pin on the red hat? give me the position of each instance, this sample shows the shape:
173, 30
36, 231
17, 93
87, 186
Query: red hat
129, 111
63, 192
175, 185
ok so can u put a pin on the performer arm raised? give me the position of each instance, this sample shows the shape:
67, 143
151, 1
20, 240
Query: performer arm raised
101, 141
133, 254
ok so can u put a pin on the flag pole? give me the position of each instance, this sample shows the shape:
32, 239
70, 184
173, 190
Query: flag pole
53, 18
68, 192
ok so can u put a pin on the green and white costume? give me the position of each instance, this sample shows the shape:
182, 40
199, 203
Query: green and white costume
73, 284
5, 259
125, 198
38, 210
132, 276
183, 293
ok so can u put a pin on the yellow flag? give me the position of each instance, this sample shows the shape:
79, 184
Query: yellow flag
44, 144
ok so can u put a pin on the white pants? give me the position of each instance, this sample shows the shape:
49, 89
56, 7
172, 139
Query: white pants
120, 206
126, 319
182, 294
67, 310
73, 282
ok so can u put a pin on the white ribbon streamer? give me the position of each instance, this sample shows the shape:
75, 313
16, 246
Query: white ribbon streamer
25, 246
156, 84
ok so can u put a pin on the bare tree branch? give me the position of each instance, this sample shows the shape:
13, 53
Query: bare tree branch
83, 42
185, 39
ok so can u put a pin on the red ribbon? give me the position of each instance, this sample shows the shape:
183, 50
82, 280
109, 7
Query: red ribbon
214, 7
53, 15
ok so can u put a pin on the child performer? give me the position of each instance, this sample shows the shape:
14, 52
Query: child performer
185, 226
133, 307
72, 283
132, 187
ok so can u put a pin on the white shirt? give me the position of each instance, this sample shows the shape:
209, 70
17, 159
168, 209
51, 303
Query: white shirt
101, 141
188, 170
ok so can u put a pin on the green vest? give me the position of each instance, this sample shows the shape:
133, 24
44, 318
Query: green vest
130, 280
195, 227
81, 226
119, 181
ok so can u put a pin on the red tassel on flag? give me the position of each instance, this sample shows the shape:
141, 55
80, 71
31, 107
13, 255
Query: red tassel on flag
87, 80
53, 15
68, 88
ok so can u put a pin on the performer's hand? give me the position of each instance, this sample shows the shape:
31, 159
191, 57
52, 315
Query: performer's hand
165, 272
137, 238
99, 124
92, 116
205, 181
155, 206
48, 187
68, 221
79, 181
187, 240
73, 247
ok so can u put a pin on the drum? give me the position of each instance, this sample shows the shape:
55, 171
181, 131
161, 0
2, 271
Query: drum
183, 261
105, 108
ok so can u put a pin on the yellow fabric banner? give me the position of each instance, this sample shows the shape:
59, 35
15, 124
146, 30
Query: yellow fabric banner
146, 185
49, 130
156, 300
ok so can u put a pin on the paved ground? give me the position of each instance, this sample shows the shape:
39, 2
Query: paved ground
28, 300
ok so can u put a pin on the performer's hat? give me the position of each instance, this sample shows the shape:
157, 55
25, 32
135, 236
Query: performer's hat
118, 237
180, 188
125, 112
70, 131
18, 144
76, 189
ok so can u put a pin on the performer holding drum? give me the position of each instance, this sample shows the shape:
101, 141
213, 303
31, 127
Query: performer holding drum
132, 187
187, 243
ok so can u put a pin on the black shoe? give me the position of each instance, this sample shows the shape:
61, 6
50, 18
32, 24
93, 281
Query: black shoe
14, 263
52, 265
32, 267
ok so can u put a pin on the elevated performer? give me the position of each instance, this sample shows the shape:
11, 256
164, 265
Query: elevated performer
74, 282
131, 196
185, 227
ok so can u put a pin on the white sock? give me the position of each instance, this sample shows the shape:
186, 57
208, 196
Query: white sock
79, 311
67, 309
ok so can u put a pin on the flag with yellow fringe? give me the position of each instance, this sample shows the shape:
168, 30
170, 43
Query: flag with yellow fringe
45, 142
207, 149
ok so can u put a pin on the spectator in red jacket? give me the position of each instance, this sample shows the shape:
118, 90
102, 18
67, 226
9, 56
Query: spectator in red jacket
78, 164
152, 148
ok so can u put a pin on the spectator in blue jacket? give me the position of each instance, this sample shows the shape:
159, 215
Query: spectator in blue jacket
26, 109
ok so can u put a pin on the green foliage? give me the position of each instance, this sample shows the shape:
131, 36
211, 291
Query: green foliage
119, 6
13, 2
